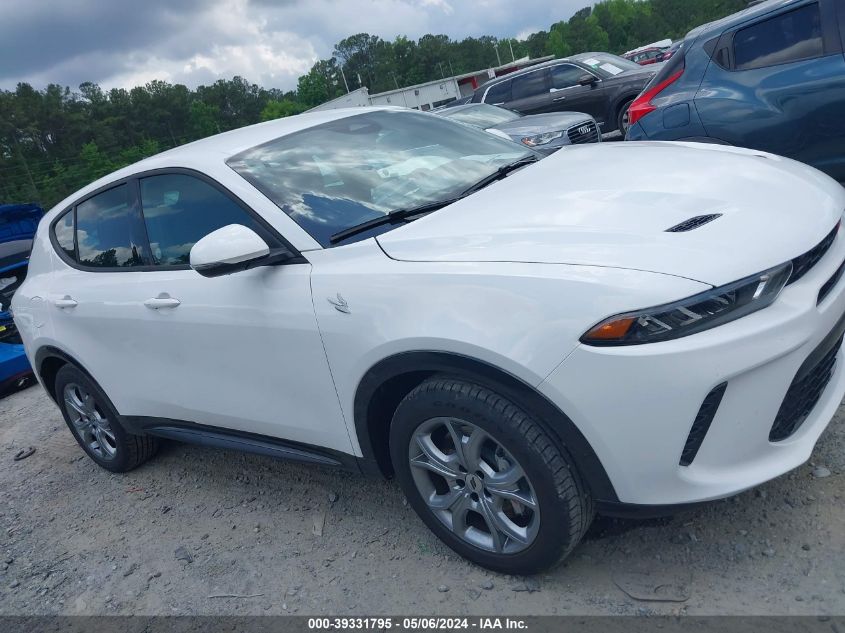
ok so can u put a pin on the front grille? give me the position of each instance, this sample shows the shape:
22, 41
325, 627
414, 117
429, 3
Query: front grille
586, 133
702, 423
802, 264
804, 393
693, 223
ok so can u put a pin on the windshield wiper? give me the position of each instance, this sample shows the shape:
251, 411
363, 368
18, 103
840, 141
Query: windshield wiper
393, 217
404, 215
500, 173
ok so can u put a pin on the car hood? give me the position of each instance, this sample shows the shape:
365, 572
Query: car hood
536, 123
606, 205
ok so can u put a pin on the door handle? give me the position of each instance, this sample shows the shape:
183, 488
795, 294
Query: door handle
164, 300
559, 98
65, 302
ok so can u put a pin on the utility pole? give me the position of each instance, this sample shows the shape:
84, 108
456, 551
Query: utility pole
498, 59
395, 81
510, 43
342, 74
442, 74
26, 167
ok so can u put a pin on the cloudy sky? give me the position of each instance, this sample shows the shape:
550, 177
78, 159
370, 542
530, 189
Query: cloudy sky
271, 42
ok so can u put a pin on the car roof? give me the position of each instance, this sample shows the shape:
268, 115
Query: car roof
552, 62
235, 141
753, 11
523, 71
227, 144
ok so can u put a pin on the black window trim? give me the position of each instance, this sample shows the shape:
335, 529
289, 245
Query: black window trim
268, 232
830, 36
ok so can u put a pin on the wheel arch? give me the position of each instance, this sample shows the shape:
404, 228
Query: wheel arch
48, 361
385, 384
620, 103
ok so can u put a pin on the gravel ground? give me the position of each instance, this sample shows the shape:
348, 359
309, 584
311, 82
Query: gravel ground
203, 531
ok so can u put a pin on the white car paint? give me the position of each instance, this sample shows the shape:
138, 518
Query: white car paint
231, 244
512, 276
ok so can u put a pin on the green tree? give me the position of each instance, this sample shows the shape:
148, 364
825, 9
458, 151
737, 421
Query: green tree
280, 109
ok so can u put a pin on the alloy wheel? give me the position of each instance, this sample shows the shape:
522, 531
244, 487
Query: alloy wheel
88, 420
473, 485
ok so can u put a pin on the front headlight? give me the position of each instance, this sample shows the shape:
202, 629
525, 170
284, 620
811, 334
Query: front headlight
694, 314
541, 139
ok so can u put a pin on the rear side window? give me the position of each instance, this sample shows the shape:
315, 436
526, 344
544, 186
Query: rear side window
529, 85
109, 231
64, 234
499, 93
788, 37
179, 210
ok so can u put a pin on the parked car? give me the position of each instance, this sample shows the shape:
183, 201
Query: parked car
520, 342
599, 84
771, 78
646, 56
17, 228
453, 104
545, 133
668, 53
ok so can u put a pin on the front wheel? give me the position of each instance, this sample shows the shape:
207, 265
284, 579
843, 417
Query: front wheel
486, 478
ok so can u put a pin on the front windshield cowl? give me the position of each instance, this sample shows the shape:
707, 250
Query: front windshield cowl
342, 173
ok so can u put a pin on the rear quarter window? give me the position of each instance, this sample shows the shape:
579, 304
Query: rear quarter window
500, 93
784, 38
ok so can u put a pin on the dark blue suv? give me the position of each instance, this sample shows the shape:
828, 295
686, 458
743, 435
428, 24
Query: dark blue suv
771, 77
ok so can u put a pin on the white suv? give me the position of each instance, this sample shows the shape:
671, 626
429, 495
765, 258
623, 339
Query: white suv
520, 343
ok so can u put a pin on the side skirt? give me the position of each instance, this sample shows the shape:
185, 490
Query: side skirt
215, 437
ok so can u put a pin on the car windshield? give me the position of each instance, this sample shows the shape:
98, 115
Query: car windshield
607, 65
339, 174
481, 115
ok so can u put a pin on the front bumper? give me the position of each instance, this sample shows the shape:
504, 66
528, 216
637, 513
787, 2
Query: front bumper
636, 405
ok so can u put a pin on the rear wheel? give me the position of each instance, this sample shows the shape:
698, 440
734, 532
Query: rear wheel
486, 478
622, 119
93, 421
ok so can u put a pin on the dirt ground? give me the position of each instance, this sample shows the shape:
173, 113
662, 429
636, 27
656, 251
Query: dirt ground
203, 531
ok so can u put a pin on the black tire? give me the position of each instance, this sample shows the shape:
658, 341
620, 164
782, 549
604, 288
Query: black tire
125, 451
620, 117
564, 505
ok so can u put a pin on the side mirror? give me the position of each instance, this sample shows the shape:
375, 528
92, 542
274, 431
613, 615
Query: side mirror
587, 79
231, 249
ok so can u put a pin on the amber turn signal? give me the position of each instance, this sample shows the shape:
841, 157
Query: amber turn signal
610, 330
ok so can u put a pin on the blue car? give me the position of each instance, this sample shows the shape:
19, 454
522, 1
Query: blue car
18, 223
771, 78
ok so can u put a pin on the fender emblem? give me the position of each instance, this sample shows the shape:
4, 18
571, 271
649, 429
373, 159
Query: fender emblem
339, 304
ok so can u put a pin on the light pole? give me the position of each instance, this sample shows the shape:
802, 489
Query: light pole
342, 74
498, 59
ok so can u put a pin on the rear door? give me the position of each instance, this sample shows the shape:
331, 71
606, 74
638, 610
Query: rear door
777, 84
567, 94
530, 92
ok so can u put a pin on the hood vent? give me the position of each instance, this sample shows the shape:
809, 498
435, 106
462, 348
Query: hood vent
693, 223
